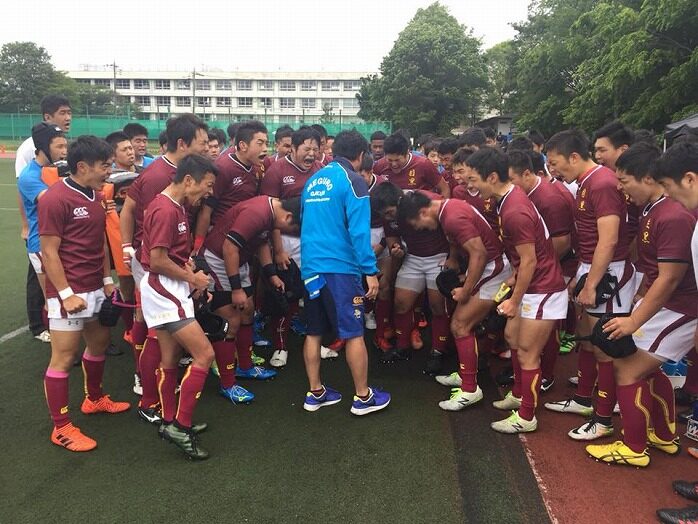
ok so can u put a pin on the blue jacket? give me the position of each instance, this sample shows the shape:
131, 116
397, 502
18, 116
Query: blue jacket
336, 223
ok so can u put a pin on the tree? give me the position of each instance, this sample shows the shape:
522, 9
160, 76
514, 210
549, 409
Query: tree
327, 116
432, 79
26, 75
500, 61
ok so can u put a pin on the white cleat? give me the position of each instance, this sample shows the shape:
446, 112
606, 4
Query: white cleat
461, 399
279, 358
452, 381
370, 320
44, 336
508, 403
137, 387
326, 352
569, 406
591, 431
515, 424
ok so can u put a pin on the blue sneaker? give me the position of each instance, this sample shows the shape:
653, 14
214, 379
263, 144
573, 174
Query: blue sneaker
329, 397
376, 401
237, 394
255, 372
259, 340
298, 326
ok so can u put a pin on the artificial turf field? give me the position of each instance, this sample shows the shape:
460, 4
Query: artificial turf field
270, 461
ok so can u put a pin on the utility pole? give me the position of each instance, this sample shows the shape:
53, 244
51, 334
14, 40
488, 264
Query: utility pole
193, 91
114, 95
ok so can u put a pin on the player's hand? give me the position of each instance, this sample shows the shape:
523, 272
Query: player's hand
378, 249
372, 284
74, 304
282, 260
199, 280
511, 281
25, 232
459, 295
508, 308
239, 298
396, 251
619, 327
127, 254
452, 263
587, 297
277, 283
109, 289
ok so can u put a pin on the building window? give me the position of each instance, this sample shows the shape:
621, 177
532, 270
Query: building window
203, 85
162, 101
162, 84
352, 85
102, 82
183, 84
123, 83
244, 85
163, 116
223, 101
84, 81
183, 101
287, 85
141, 84
203, 101
308, 85
265, 103
329, 85
265, 85
143, 101
330, 103
287, 103
308, 103
245, 101
351, 103
224, 85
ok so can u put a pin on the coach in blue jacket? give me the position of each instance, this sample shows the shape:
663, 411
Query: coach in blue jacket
336, 252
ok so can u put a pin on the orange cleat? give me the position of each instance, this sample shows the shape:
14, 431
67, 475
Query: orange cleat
416, 340
388, 333
72, 439
103, 405
382, 344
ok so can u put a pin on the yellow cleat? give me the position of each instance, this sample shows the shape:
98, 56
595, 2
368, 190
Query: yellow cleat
670, 447
618, 453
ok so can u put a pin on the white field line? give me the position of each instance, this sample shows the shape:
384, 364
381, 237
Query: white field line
541, 485
13, 334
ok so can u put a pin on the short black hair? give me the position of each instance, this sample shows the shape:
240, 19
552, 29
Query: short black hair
367, 163
410, 205
222, 138
196, 166
520, 161
536, 137
331, 137
284, 131
423, 139
569, 141
520, 143
248, 130
117, 137
135, 129
321, 130
617, 134
431, 145
645, 135
183, 127
378, 135
349, 144
212, 135
293, 206
638, 160
538, 161
162, 138
232, 129
461, 156
396, 144
303, 134
487, 160
489, 132
89, 149
385, 195
473, 136
676, 161
448, 146
52, 103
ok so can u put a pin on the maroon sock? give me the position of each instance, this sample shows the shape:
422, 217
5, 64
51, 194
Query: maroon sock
44, 317
167, 385
530, 388
139, 332
663, 407
192, 384
550, 352
606, 392
439, 332
225, 360
403, 328
280, 327
93, 371
516, 365
635, 402
571, 320
244, 346
148, 363
587, 374
467, 362
384, 310
56, 390
691, 384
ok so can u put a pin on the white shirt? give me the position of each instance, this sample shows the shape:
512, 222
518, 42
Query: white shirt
25, 154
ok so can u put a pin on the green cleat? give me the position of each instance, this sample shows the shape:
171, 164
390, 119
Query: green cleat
184, 439
257, 360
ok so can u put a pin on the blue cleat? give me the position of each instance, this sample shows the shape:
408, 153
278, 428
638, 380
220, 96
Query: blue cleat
259, 340
237, 394
255, 372
298, 326
328, 398
376, 401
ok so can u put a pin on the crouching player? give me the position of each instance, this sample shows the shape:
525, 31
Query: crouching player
166, 290
539, 295
71, 227
662, 323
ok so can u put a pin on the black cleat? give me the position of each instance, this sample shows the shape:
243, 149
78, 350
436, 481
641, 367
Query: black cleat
688, 490
184, 439
687, 515
150, 415
505, 377
684, 398
683, 416
434, 363
546, 384
195, 428
394, 355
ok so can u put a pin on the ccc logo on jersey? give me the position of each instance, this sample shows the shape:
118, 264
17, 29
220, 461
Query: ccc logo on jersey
182, 227
81, 212
237, 181
289, 180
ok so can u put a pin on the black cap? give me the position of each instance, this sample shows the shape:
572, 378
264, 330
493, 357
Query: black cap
42, 134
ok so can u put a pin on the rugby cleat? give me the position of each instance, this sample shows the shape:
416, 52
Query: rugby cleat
452, 381
103, 405
195, 428
687, 515
508, 403
570, 406
382, 344
329, 397
279, 358
573, 381
298, 326
515, 424
72, 439
394, 355
137, 387
256, 373
688, 490
461, 399
236, 394
670, 447
370, 320
328, 352
591, 430
434, 363
546, 384
377, 400
150, 415
44, 336
257, 360
186, 440
618, 453
260, 341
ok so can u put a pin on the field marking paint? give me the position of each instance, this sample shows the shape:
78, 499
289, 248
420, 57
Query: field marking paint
3, 184
13, 334
9, 209
543, 488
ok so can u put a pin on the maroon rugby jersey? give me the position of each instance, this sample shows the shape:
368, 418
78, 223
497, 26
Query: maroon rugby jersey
235, 182
486, 207
79, 220
462, 222
165, 224
521, 224
326, 159
269, 160
154, 178
417, 173
249, 222
419, 243
376, 220
598, 196
664, 236
285, 179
